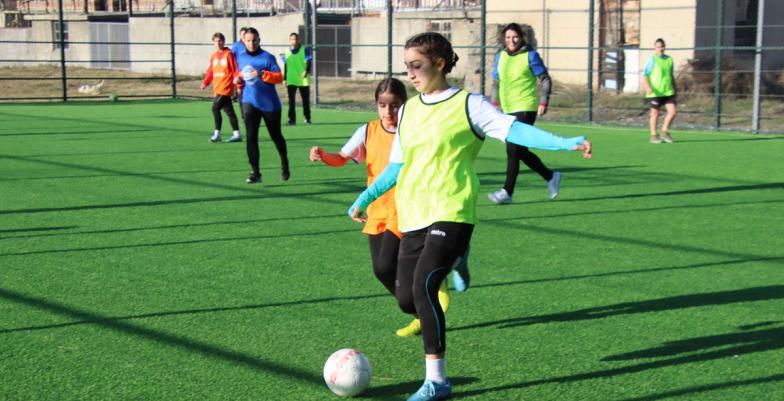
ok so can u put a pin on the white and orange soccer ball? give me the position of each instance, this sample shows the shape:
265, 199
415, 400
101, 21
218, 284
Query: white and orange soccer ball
347, 372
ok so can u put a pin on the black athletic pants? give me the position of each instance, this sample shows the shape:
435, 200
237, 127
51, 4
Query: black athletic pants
304, 92
253, 117
224, 103
515, 153
383, 254
425, 258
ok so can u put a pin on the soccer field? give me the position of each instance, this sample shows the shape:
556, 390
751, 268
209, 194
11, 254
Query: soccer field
136, 264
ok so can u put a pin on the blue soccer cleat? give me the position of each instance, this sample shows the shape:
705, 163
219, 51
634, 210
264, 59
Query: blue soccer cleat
461, 278
432, 391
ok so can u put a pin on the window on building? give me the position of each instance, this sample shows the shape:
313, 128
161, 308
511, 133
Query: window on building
56, 32
443, 27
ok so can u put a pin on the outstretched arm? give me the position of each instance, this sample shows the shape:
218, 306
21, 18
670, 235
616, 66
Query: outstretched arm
331, 159
532, 137
385, 181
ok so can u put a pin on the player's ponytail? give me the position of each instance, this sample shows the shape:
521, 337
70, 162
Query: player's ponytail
434, 46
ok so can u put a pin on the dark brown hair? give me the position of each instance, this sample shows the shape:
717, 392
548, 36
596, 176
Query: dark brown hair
660, 40
434, 46
519, 30
218, 35
393, 86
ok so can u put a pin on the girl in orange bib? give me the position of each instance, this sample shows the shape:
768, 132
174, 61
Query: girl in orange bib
372, 143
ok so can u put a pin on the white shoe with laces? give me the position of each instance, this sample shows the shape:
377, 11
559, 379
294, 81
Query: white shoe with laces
500, 197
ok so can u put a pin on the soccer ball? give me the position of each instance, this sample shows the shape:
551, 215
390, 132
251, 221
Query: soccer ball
112, 97
347, 372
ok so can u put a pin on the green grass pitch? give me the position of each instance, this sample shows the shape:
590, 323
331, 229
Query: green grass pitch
136, 264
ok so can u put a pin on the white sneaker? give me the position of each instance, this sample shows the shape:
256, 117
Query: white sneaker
655, 139
215, 138
554, 185
665, 136
500, 197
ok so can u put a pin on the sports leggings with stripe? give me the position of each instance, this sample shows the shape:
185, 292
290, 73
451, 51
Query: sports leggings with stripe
516, 153
224, 103
253, 117
425, 258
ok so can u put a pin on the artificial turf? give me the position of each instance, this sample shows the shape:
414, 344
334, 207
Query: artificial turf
135, 263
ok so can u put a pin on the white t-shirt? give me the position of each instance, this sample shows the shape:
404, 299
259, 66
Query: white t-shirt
355, 147
483, 117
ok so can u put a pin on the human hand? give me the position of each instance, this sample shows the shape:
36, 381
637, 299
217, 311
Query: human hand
358, 215
586, 147
542, 110
315, 153
202, 86
304, 74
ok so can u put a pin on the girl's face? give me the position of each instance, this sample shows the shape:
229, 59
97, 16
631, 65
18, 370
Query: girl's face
388, 105
219, 43
425, 75
512, 40
251, 41
659, 48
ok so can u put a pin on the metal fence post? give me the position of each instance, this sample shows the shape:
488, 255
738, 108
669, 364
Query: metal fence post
63, 75
483, 49
589, 96
389, 38
173, 63
755, 119
233, 19
313, 53
717, 65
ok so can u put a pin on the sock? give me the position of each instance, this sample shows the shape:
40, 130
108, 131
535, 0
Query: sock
217, 133
435, 370
235, 133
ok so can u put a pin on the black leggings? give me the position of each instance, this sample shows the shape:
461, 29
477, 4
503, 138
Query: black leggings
224, 103
515, 153
383, 254
304, 92
253, 117
426, 257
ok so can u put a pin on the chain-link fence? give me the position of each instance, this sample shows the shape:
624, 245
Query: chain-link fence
728, 61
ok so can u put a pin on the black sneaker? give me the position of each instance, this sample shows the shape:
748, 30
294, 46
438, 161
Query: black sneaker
253, 178
285, 173
291, 122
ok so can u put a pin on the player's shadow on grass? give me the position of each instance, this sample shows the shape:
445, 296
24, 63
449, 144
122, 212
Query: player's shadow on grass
708, 388
168, 339
107, 131
698, 349
627, 308
389, 391
695, 191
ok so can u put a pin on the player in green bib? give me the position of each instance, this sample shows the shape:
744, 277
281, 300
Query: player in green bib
297, 62
659, 84
432, 162
516, 71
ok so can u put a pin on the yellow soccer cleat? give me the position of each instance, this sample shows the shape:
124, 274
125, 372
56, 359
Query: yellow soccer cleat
415, 327
443, 296
411, 330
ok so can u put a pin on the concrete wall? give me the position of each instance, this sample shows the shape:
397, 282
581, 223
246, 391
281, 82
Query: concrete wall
372, 30
41, 31
672, 20
194, 40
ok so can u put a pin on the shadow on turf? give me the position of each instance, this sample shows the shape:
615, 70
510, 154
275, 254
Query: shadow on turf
108, 131
161, 337
35, 229
654, 305
677, 353
409, 387
708, 387
184, 242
